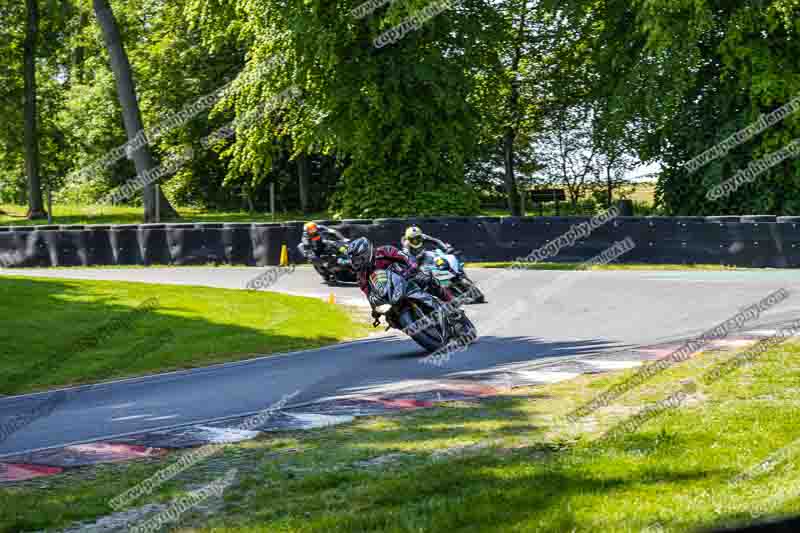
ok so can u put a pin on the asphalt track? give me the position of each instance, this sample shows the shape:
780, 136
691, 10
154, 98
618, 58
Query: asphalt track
566, 315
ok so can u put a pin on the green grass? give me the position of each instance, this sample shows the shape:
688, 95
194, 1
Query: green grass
612, 266
43, 320
78, 214
535, 475
14, 215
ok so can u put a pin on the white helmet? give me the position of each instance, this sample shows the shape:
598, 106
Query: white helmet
414, 237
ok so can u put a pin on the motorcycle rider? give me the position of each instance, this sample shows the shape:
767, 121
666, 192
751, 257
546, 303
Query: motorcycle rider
365, 259
315, 244
414, 241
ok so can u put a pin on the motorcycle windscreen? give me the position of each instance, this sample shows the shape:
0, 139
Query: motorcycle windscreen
455, 264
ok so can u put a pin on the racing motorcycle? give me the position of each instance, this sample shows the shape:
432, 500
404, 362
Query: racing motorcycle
448, 269
333, 265
404, 305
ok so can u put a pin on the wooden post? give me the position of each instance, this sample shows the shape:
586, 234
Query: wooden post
49, 202
272, 199
158, 202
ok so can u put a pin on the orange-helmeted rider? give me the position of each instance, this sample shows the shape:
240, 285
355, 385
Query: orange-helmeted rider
316, 240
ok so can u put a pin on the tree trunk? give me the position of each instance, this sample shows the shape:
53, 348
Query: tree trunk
780, 198
126, 91
609, 186
31, 140
248, 197
511, 130
510, 179
303, 175
79, 54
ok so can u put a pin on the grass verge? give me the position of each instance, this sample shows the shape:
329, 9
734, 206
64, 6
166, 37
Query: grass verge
63, 332
507, 464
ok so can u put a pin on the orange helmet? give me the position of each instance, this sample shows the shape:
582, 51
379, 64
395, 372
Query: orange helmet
312, 230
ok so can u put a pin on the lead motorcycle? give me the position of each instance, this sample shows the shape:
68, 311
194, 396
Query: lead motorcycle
407, 307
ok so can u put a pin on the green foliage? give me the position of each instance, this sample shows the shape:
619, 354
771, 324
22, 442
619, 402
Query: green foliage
413, 127
397, 193
688, 74
398, 117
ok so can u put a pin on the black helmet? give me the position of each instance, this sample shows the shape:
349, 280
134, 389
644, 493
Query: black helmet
361, 253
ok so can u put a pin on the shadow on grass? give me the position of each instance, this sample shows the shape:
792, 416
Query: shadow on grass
539, 487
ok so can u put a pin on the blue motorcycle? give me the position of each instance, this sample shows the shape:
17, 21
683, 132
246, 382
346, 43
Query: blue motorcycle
448, 269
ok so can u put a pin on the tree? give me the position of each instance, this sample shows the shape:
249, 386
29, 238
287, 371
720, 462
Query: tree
567, 151
31, 142
691, 74
398, 115
126, 90
615, 144
512, 127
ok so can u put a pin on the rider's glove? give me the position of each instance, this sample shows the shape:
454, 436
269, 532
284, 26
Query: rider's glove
376, 318
422, 278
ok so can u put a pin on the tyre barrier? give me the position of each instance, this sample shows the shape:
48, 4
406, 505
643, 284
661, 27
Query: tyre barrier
746, 241
237, 243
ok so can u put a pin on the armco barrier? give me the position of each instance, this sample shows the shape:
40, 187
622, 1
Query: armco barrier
747, 241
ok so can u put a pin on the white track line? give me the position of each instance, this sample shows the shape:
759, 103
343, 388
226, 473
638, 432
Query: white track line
612, 365
545, 376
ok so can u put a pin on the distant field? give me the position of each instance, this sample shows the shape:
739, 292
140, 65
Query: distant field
644, 193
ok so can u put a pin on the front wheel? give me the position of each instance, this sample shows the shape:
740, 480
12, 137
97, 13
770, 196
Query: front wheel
321, 270
346, 276
466, 333
431, 338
